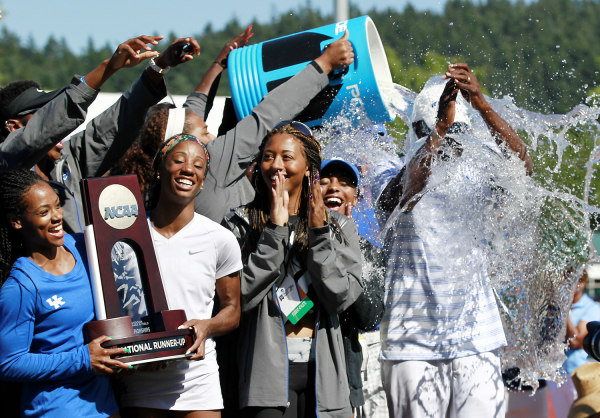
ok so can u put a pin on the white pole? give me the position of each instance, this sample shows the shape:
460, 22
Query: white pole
341, 10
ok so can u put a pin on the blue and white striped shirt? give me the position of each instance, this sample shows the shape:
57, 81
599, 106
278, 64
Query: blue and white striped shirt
439, 304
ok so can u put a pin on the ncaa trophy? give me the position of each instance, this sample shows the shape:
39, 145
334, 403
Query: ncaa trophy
129, 298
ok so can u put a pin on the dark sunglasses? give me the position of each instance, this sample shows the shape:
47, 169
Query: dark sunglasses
299, 126
421, 128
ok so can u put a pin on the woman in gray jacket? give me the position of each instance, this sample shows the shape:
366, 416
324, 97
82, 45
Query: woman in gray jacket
301, 268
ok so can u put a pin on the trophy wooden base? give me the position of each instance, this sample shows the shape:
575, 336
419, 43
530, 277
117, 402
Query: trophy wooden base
171, 343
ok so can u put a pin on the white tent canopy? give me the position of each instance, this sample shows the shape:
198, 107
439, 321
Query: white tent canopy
105, 100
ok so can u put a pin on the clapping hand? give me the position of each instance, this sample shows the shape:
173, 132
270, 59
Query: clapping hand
280, 200
316, 208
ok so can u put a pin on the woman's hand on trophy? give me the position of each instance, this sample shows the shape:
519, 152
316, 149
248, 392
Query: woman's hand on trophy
101, 358
201, 331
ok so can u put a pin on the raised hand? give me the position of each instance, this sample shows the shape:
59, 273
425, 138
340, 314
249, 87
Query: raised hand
447, 107
468, 84
316, 208
170, 56
280, 200
237, 42
338, 54
128, 54
101, 358
132, 52
348, 209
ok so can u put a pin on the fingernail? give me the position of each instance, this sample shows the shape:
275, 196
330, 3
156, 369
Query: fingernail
448, 74
130, 367
112, 338
127, 350
180, 327
310, 196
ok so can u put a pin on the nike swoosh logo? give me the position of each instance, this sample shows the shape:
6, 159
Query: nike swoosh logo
197, 251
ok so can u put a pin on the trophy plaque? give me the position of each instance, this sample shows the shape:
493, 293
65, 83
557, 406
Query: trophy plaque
129, 298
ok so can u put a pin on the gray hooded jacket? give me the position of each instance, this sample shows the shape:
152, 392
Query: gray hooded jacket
226, 185
334, 267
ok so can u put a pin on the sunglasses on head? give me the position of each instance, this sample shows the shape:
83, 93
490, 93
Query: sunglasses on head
421, 128
299, 126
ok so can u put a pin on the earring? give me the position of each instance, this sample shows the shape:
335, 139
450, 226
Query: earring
157, 176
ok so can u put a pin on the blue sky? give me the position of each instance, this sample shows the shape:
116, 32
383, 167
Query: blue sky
114, 21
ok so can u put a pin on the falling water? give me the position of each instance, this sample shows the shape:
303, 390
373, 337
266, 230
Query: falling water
532, 232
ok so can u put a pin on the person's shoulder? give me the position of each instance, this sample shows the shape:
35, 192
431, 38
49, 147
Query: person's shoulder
237, 216
207, 225
19, 276
343, 221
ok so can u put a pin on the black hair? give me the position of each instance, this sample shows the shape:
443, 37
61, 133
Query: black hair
260, 208
14, 184
9, 93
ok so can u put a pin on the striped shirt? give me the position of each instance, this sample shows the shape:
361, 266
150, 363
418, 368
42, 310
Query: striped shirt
439, 304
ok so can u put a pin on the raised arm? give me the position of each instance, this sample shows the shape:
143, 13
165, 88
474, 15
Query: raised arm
237, 147
26, 145
419, 167
201, 99
108, 136
503, 133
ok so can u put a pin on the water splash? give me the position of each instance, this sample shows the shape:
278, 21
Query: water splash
531, 231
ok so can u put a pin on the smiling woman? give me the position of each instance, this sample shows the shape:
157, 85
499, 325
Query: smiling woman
302, 267
44, 302
198, 259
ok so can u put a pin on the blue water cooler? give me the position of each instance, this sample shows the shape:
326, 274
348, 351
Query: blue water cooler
257, 69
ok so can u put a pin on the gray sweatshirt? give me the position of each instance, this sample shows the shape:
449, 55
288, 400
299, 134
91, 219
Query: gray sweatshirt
92, 152
24, 147
226, 185
334, 268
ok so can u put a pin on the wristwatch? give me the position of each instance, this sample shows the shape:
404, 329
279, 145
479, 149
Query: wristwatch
159, 70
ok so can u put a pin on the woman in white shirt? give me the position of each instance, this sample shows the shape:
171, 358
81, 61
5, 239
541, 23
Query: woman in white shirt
197, 257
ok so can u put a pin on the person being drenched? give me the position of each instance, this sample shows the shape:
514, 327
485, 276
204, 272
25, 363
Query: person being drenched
441, 328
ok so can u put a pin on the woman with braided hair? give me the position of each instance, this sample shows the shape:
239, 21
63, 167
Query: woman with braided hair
45, 300
198, 260
301, 268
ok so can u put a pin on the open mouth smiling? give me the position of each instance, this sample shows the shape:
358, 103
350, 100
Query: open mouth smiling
333, 202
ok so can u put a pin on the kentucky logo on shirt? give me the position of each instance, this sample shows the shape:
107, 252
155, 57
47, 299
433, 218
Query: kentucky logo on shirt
55, 301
